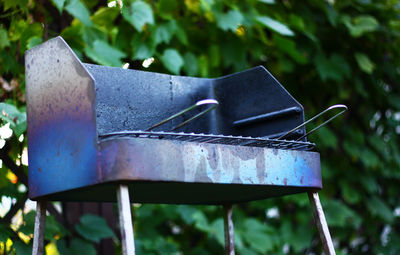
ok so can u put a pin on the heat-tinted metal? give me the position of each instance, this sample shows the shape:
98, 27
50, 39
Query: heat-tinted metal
62, 144
83, 123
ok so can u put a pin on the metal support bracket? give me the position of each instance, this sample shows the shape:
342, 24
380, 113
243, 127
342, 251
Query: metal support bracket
320, 221
125, 220
40, 222
229, 231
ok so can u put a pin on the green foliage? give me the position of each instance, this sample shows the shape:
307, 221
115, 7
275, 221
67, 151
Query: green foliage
93, 228
323, 52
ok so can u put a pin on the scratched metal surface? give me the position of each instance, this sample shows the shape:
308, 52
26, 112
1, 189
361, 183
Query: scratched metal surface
68, 162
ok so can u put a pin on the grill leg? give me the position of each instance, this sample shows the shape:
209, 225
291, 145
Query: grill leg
125, 220
38, 234
320, 221
229, 231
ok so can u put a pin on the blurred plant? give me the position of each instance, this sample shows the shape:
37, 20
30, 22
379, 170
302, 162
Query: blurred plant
324, 52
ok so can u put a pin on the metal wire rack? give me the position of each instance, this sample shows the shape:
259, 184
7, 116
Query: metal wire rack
214, 139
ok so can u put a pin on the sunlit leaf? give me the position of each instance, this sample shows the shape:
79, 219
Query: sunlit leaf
229, 21
59, 4
77, 9
190, 66
360, 25
364, 63
138, 14
4, 42
105, 54
172, 60
17, 119
275, 25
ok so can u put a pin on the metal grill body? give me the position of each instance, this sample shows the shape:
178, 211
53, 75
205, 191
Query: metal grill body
84, 122
86, 140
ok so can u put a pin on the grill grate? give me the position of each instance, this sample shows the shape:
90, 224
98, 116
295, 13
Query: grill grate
215, 139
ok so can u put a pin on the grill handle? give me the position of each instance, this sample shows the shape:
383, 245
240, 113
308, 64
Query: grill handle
336, 106
212, 102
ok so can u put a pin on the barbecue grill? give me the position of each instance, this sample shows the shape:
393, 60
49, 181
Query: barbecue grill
93, 136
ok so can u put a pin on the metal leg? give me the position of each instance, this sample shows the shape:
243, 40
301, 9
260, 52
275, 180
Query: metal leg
40, 222
320, 221
229, 231
125, 220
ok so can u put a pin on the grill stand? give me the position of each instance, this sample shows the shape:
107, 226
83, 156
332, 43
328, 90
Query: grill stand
127, 236
229, 231
125, 220
40, 222
320, 221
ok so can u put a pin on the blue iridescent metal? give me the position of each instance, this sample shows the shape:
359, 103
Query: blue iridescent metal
71, 106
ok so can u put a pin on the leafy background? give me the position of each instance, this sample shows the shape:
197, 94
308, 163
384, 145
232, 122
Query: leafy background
323, 52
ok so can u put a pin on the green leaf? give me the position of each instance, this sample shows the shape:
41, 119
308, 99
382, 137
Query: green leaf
267, 1
200, 221
288, 46
52, 227
138, 14
172, 60
105, 17
338, 214
335, 67
190, 67
187, 213
364, 62
33, 41
360, 25
327, 137
379, 208
5, 233
274, 25
93, 228
167, 8
22, 248
217, 229
258, 236
164, 32
79, 11
10, 114
59, 4
181, 35
4, 42
141, 49
105, 54
77, 247
229, 21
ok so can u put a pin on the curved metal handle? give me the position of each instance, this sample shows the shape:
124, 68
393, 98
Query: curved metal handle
213, 102
342, 106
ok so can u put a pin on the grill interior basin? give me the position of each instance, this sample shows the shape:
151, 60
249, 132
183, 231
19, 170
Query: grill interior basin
87, 133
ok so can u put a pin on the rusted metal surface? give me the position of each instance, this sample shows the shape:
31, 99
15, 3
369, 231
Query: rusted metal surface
321, 223
61, 120
229, 230
125, 220
38, 234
